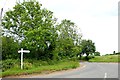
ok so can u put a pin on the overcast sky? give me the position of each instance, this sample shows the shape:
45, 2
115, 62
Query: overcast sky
97, 19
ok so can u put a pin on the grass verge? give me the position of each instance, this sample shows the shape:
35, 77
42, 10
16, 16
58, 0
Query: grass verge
64, 65
108, 58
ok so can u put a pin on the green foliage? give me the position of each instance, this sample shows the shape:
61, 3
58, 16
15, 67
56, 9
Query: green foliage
88, 47
31, 68
83, 58
114, 52
67, 36
9, 48
34, 26
118, 53
9, 63
27, 66
97, 54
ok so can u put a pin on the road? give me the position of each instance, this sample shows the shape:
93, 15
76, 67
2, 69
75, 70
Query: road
89, 70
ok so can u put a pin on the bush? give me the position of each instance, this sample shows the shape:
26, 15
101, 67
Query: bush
84, 57
40, 63
52, 62
27, 66
9, 63
90, 57
74, 59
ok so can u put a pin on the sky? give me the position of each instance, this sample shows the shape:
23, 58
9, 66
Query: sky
97, 19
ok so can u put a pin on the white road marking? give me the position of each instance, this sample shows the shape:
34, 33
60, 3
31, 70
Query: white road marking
105, 75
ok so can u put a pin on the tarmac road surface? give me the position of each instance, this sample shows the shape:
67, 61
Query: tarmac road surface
89, 70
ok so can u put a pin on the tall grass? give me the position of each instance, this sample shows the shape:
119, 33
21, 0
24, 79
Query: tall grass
39, 67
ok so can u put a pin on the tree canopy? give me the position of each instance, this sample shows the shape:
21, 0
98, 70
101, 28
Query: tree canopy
33, 27
97, 53
88, 47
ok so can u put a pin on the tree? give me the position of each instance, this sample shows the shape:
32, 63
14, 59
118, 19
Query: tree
114, 52
97, 53
35, 29
67, 39
34, 26
88, 47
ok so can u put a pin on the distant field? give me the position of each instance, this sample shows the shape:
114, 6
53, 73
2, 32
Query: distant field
107, 58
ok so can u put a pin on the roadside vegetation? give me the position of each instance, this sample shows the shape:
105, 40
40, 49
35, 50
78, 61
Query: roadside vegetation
53, 45
12, 67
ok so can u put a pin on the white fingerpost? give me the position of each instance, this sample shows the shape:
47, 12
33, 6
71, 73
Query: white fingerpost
22, 51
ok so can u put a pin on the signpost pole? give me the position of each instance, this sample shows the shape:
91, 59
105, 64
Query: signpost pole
21, 58
22, 51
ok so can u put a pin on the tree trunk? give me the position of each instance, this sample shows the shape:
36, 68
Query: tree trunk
87, 57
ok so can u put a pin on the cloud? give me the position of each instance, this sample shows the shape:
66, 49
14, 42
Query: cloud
103, 31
